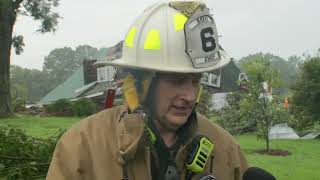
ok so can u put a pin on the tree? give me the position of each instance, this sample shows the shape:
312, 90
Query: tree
288, 70
40, 83
295, 61
258, 102
306, 94
9, 10
19, 95
62, 62
36, 82
86, 52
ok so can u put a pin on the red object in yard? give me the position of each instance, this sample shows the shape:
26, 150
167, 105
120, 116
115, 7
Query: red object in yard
286, 103
108, 103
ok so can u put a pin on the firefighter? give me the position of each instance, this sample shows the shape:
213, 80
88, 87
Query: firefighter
157, 134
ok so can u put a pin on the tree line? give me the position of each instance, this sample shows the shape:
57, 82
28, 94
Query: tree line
30, 85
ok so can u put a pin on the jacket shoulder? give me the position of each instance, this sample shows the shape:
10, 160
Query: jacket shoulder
89, 140
105, 119
93, 129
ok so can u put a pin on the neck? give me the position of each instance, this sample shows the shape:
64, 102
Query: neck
169, 137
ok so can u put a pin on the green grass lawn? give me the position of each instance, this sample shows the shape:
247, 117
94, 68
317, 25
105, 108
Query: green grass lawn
303, 164
40, 127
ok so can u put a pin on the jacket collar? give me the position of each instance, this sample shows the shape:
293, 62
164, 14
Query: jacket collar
131, 136
129, 133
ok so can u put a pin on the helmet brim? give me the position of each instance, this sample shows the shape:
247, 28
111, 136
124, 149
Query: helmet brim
121, 63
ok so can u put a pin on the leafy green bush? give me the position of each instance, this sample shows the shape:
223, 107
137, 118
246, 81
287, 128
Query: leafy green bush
84, 107
236, 116
62, 107
19, 96
24, 157
18, 104
305, 101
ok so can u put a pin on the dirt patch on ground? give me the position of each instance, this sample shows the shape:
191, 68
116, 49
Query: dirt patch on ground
273, 152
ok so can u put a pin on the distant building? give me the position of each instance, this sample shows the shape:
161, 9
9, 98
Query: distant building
221, 82
86, 82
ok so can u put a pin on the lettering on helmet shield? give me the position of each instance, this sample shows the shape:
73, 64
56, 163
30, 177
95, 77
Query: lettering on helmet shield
202, 39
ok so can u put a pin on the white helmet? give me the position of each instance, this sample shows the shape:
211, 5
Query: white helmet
165, 39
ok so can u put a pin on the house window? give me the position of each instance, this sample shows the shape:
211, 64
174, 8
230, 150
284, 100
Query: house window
242, 77
211, 79
105, 73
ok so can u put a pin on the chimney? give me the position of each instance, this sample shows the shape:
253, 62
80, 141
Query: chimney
89, 71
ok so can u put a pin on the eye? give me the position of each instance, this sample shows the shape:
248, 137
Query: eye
172, 78
177, 80
196, 81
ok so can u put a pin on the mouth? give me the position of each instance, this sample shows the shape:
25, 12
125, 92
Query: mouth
181, 110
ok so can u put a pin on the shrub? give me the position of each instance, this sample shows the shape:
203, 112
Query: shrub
62, 107
18, 104
84, 107
24, 157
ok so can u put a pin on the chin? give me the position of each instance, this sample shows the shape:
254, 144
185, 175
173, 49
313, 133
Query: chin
177, 121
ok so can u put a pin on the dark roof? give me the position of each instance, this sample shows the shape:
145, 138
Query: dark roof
98, 87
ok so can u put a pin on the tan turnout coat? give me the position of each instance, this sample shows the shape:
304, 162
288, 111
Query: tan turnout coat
97, 147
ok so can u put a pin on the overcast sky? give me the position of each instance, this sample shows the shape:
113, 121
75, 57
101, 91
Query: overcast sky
281, 27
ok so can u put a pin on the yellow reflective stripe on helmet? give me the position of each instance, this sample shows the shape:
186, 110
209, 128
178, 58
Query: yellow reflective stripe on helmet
130, 37
179, 21
152, 41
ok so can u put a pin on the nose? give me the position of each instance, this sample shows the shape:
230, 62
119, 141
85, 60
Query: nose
187, 91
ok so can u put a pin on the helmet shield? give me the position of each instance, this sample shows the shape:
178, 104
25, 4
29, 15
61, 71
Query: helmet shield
202, 39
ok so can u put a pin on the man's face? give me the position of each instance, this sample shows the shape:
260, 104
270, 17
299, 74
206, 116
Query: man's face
175, 97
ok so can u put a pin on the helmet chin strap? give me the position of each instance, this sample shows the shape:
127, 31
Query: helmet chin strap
136, 87
199, 95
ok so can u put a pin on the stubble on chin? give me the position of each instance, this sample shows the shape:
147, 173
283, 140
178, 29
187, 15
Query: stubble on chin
168, 126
